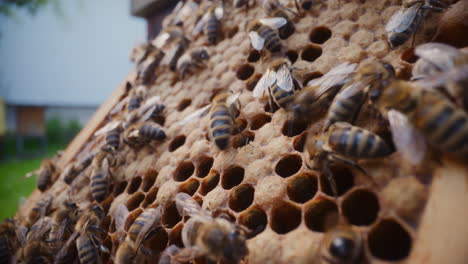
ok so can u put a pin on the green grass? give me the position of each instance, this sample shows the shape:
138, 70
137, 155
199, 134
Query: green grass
13, 184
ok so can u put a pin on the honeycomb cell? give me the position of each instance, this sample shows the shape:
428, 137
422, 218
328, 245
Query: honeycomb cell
344, 179
119, 188
292, 56
252, 81
132, 217
288, 165
240, 125
232, 176
244, 72
157, 240
254, 56
389, 232
242, 139
255, 219
299, 142
320, 34
135, 200
190, 186
204, 166
285, 217
259, 121
175, 235
184, 171
170, 216
148, 179
231, 32
241, 197
106, 223
134, 185
184, 104
311, 53
293, 127
209, 183
409, 56
310, 76
150, 197
360, 207
320, 215
176, 143
302, 187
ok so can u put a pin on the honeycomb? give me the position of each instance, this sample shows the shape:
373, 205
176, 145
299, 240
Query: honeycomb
405, 214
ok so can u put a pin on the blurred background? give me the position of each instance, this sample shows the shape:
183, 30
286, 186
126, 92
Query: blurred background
60, 60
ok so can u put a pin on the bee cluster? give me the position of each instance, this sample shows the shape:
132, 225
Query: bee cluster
260, 132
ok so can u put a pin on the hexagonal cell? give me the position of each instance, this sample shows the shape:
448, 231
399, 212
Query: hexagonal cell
254, 56
255, 219
293, 127
302, 187
184, 171
310, 76
190, 186
119, 188
231, 32
285, 217
232, 177
245, 71
241, 197
170, 216
150, 197
131, 218
287, 30
240, 125
134, 185
176, 143
259, 121
311, 52
361, 207
148, 179
321, 214
175, 235
156, 241
389, 232
183, 104
409, 56
135, 200
288, 165
242, 139
344, 180
252, 81
209, 183
320, 34
204, 166
106, 223
292, 56
299, 142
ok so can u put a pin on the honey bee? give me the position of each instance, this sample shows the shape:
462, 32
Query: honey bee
100, 176
341, 245
183, 11
303, 4
279, 82
349, 100
216, 238
8, 240
147, 67
152, 109
62, 219
45, 173
273, 8
192, 62
243, 3
319, 92
173, 43
140, 134
137, 233
39, 209
210, 23
405, 22
36, 250
444, 125
72, 170
263, 33
341, 144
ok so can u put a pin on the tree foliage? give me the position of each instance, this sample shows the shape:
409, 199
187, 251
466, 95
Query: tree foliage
7, 6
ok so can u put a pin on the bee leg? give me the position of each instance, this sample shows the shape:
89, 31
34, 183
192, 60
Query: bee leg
329, 175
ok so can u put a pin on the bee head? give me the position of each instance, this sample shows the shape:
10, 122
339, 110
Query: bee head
342, 248
237, 248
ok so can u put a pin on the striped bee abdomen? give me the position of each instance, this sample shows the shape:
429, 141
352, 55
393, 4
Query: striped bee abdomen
87, 251
99, 186
5, 251
113, 138
152, 132
281, 97
44, 179
134, 102
212, 29
221, 125
344, 109
271, 37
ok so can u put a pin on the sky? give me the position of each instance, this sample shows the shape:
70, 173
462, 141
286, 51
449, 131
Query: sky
76, 55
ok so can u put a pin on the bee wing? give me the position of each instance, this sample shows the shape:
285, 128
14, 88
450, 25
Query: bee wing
274, 22
350, 90
195, 115
121, 215
441, 55
219, 12
338, 75
161, 40
267, 80
200, 24
148, 107
119, 106
21, 232
402, 19
408, 140
148, 226
62, 253
284, 78
170, 55
256, 40
186, 205
232, 99
108, 127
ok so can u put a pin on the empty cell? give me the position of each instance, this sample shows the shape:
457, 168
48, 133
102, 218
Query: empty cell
302, 187
244, 72
288, 165
285, 217
148, 179
134, 201
232, 176
320, 214
184, 171
255, 219
319, 35
389, 241
204, 166
241, 197
134, 185
361, 207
